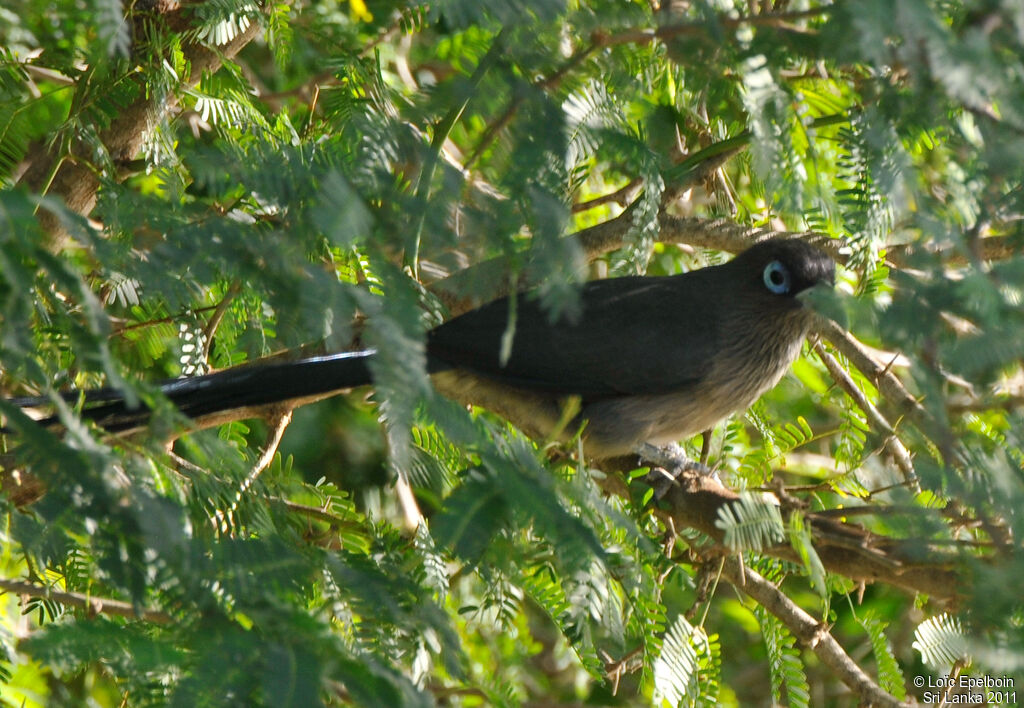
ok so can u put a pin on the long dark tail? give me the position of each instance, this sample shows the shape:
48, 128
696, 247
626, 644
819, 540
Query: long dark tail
240, 387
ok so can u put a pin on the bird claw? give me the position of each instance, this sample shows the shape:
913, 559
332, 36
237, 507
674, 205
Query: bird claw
668, 464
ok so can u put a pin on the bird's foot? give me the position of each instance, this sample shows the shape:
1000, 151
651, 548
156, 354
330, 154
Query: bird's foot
668, 464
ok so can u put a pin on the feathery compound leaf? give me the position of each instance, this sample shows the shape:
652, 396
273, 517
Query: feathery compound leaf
941, 641
223, 20
789, 682
853, 430
890, 677
15, 126
802, 541
751, 522
111, 25
675, 669
434, 460
709, 674
756, 466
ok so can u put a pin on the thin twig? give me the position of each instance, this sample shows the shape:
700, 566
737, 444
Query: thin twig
120, 329
218, 315
882, 377
315, 512
91, 604
219, 312
492, 130
621, 196
892, 442
279, 421
278, 424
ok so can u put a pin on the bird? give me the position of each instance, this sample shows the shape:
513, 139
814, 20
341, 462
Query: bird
643, 360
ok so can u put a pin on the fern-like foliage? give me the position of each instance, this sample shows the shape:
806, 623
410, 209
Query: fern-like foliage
800, 538
873, 166
676, 668
752, 522
223, 20
890, 677
709, 671
756, 466
168, 204
112, 26
15, 116
789, 682
941, 641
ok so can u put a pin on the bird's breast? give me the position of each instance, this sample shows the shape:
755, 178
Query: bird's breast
750, 361
753, 358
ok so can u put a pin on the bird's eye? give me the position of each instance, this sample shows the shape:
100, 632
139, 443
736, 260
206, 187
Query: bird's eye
776, 278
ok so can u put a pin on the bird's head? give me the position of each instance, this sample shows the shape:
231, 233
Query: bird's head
783, 270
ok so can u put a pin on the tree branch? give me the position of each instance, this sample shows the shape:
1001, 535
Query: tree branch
93, 605
809, 632
990, 248
695, 501
278, 424
74, 178
892, 442
882, 377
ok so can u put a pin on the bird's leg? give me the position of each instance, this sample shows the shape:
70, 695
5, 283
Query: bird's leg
667, 464
705, 446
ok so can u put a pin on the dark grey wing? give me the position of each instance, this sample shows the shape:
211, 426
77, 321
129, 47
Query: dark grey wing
633, 336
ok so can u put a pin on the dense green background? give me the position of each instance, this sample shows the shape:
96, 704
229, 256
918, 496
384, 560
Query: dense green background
199, 186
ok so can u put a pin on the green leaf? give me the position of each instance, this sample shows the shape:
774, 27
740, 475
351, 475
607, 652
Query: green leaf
789, 682
752, 522
675, 669
890, 677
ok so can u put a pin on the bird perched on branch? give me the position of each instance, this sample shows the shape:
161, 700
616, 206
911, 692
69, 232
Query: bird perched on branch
648, 360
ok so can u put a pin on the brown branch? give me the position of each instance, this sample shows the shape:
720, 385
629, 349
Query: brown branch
91, 604
990, 248
278, 424
621, 196
610, 235
809, 632
74, 178
695, 501
881, 376
726, 235
218, 314
892, 442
